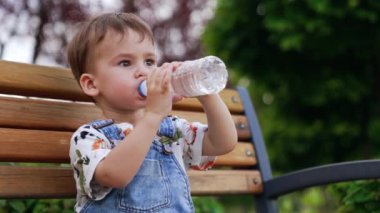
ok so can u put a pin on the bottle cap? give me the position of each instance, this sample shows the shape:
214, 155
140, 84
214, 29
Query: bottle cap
142, 89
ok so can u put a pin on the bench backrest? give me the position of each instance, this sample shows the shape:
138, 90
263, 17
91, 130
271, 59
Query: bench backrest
41, 106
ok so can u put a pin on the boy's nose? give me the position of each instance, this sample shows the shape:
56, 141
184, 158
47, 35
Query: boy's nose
141, 71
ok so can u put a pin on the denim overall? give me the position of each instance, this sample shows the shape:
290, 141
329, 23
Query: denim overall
160, 185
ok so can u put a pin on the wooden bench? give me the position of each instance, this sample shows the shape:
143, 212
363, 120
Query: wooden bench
41, 106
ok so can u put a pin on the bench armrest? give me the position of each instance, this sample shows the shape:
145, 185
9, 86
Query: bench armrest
321, 175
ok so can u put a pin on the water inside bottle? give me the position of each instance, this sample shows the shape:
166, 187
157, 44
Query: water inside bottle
206, 77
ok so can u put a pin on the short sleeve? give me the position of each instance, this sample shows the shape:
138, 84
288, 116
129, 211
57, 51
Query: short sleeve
87, 148
193, 134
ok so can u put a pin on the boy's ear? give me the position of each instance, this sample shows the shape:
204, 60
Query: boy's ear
87, 82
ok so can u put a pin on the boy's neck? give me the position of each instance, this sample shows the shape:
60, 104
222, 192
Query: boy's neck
132, 117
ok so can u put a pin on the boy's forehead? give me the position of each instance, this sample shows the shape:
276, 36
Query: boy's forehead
122, 34
128, 35
114, 39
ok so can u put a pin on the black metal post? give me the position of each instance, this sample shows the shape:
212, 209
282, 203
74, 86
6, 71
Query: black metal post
263, 204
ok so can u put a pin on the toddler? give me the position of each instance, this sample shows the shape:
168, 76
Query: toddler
135, 158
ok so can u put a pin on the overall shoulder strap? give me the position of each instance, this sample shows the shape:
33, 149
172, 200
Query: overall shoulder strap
107, 127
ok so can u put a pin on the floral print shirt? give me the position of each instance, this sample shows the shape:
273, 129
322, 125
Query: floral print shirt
89, 146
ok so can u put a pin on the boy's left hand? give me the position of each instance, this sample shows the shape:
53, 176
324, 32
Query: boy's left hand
176, 97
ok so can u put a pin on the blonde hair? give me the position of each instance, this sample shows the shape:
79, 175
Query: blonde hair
94, 30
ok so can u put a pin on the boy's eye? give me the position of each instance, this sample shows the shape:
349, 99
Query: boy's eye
124, 63
150, 62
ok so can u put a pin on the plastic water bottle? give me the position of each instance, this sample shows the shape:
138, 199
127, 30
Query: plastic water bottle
203, 76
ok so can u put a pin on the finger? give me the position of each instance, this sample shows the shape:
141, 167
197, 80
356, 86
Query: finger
165, 64
177, 98
166, 81
161, 74
151, 77
176, 64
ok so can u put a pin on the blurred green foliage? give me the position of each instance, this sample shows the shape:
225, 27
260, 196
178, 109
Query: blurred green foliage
319, 62
207, 205
359, 197
312, 200
37, 206
201, 204
313, 69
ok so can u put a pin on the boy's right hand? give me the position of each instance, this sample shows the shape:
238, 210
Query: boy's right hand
159, 100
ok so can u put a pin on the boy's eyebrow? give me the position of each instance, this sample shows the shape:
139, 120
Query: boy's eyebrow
131, 55
150, 54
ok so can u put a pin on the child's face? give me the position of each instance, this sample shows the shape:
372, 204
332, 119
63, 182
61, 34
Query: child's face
119, 63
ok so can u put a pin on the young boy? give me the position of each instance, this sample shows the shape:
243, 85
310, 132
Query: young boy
120, 163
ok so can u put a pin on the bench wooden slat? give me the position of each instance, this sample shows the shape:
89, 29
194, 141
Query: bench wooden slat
36, 182
20, 145
230, 97
45, 182
59, 83
39, 81
218, 182
43, 114
242, 155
